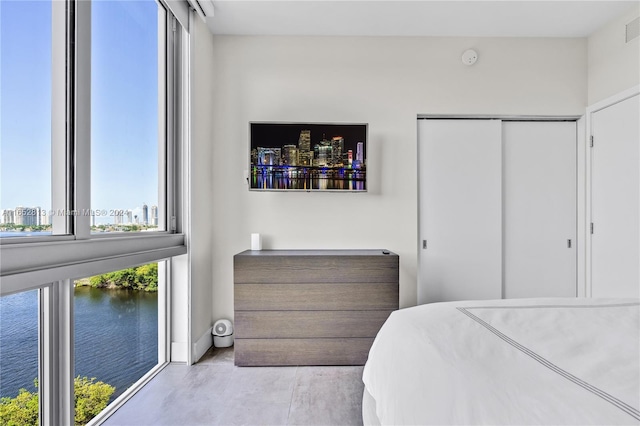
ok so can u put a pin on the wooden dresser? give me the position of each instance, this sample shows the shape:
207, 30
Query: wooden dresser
311, 307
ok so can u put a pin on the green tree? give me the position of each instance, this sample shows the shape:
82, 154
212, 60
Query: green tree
91, 398
98, 281
21, 410
143, 277
146, 277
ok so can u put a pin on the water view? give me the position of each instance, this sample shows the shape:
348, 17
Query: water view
8, 234
116, 337
347, 180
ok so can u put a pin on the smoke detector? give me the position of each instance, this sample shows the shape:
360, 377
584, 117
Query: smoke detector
469, 57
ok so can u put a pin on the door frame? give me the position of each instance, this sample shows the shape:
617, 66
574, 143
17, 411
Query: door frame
582, 180
592, 109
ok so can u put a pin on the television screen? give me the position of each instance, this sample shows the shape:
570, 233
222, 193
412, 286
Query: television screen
308, 157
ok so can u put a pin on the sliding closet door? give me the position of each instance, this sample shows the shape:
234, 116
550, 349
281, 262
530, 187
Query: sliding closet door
539, 173
460, 173
614, 197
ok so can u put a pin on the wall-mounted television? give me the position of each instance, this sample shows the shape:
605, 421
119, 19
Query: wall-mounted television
308, 157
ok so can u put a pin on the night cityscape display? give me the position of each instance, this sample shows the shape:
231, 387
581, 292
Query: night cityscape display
308, 157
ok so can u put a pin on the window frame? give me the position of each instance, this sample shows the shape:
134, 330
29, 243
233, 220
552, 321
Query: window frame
71, 157
71, 126
50, 263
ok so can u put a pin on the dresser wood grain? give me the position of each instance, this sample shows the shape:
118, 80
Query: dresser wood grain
311, 307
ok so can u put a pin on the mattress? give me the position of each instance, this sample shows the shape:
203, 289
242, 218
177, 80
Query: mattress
516, 361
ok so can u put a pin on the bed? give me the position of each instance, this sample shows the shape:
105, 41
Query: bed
507, 362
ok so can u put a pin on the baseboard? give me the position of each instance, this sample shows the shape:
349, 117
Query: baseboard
202, 345
179, 352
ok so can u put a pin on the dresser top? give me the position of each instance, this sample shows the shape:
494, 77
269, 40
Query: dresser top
345, 252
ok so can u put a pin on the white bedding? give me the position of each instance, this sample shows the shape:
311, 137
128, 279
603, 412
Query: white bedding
515, 362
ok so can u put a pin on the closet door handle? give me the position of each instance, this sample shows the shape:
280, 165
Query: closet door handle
569, 243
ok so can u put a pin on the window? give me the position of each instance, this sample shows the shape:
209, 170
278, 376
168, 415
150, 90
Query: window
116, 334
91, 114
25, 114
19, 396
120, 77
126, 109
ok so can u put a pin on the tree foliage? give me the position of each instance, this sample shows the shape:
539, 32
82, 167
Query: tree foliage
21, 410
143, 277
91, 398
14, 227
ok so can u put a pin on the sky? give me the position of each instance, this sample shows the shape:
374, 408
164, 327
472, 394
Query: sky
124, 102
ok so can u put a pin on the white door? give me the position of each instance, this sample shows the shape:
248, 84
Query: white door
460, 174
614, 200
539, 173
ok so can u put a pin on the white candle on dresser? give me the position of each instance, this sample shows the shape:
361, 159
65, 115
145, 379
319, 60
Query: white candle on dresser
256, 242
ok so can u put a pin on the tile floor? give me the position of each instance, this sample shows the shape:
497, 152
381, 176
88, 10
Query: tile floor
216, 392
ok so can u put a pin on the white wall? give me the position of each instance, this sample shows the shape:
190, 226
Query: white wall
613, 65
200, 178
386, 82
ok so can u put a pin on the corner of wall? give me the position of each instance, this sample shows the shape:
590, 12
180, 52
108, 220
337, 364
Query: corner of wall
201, 192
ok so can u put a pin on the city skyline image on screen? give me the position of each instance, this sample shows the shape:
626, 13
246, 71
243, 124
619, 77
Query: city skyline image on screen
308, 157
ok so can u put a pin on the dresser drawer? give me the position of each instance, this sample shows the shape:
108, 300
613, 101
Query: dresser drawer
318, 297
310, 324
301, 268
262, 352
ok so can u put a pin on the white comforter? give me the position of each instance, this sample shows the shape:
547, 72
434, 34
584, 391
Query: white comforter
515, 362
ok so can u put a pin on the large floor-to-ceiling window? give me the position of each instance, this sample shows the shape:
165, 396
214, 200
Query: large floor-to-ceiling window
115, 334
125, 142
25, 105
89, 202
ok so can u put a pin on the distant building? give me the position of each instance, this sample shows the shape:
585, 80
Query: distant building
154, 215
129, 217
118, 218
41, 216
290, 155
322, 154
145, 214
18, 215
359, 156
269, 156
27, 216
337, 147
305, 155
8, 216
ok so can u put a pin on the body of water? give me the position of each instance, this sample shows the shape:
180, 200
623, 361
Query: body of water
116, 337
307, 178
10, 234
308, 183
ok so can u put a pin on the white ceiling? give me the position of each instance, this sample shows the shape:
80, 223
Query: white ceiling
414, 18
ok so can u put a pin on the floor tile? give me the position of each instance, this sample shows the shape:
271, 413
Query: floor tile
262, 384
255, 413
327, 396
216, 392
